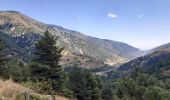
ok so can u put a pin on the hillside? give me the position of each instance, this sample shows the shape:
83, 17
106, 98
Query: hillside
155, 63
25, 31
10, 90
165, 47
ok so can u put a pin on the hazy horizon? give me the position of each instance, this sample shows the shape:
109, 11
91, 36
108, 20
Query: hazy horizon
143, 24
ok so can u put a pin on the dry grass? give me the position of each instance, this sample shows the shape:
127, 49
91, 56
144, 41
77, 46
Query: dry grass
9, 89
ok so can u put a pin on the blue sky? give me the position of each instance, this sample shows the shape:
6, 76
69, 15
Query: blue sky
141, 23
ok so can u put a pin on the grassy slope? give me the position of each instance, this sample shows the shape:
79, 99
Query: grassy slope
10, 90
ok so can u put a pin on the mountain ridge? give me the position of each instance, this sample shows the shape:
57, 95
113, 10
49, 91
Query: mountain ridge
111, 52
164, 47
155, 62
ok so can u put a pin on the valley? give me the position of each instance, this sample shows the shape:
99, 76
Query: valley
51, 60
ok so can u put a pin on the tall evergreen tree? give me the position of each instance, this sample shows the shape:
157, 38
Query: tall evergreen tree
2, 60
78, 84
93, 86
84, 85
46, 63
107, 91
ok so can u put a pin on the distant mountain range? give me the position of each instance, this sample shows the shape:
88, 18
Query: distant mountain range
156, 62
22, 32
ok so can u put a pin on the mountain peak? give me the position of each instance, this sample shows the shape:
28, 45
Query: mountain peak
20, 23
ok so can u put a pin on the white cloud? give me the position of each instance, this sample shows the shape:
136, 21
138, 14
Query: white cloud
112, 15
141, 15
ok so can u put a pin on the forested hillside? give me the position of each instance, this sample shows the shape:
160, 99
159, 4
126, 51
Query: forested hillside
44, 75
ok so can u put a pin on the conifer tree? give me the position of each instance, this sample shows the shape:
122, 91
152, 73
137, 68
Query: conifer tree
2, 60
46, 63
107, 91
93, 86
84, 84
78, 84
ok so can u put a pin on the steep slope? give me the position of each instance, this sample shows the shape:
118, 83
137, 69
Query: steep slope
165, 47
26, 32
72, 60
147, 61
157, 63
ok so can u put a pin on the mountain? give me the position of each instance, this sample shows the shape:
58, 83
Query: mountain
146, 61
157, 63
165, 47
25, 31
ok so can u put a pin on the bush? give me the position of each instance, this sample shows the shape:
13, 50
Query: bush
17, 71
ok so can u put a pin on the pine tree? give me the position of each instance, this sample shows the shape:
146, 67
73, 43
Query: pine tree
2, 60
78, 83
84, 84
93, 85
46, 63
107, 91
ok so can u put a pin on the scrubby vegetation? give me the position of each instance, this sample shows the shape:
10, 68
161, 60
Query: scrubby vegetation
140, 86
44, 75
